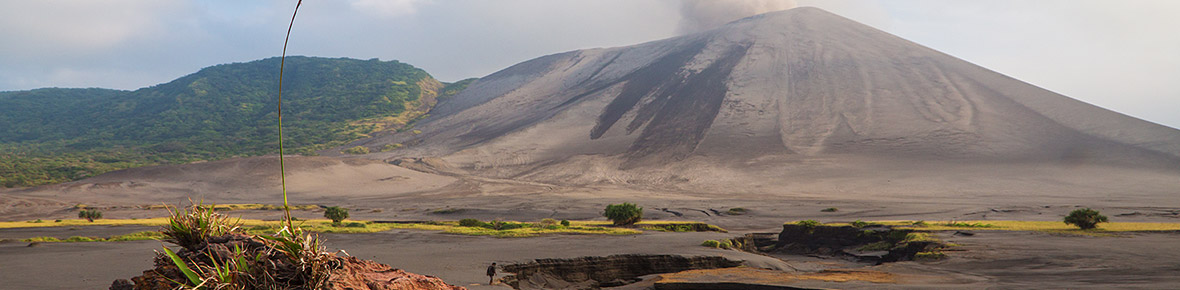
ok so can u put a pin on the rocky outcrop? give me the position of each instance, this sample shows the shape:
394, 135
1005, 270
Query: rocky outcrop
889, 244
827, 239
355, 273
609, 271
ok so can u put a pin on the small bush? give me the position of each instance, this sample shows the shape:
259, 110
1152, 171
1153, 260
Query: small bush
356, 150
336, 214
624, 214
859, 224
1085, 218
920, 224
355, 225
390, 147
809, 224
546, 222
446, 210
565, 223
76, 239
830, 209
736, 211
470, 223
90, 214
711, 243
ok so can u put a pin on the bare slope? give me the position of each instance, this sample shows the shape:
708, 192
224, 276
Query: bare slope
795, 84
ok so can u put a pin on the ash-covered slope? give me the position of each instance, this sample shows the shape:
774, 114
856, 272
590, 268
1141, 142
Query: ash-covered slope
796, 83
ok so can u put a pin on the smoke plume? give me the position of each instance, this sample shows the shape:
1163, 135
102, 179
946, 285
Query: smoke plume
700, 15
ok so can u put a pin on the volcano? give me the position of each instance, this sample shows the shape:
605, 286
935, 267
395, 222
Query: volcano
790, 86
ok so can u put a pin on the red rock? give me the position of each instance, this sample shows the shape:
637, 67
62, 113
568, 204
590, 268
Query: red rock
363, 274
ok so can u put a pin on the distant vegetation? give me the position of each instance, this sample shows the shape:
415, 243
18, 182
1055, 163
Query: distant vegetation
55, 135
90, 214
1085, 218
336, 214
623, 214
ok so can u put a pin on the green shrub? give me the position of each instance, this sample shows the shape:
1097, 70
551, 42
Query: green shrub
390, 147
859, 224
336, 214
624, 214
1085, 218
711, 243
565, 223
546, 222
355, 225
470, 223
830, 209
809, 224
90, 214
446, 210
356, 150
920, 224
725, 244
76, 239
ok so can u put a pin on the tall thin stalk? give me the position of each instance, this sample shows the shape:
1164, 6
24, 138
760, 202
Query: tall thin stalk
282, 165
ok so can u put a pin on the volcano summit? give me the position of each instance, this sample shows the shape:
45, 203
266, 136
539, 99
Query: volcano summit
793, 85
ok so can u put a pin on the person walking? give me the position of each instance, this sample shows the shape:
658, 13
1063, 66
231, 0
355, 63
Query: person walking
492, 273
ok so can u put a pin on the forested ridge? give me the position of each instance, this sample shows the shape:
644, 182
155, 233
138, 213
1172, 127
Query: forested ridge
55, 135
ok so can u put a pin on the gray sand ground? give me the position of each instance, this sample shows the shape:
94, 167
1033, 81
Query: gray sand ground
991, 259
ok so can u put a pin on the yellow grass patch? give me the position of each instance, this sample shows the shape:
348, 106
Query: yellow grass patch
144, 235
238, 206
1056, 227
258, 227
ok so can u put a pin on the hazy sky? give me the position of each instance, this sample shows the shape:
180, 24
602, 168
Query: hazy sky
1121, 55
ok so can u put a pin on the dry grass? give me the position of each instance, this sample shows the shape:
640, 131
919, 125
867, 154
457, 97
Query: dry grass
259, 227
139, 236
239, 206
1053, 227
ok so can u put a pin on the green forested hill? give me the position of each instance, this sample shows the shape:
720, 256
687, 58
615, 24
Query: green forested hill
55, 135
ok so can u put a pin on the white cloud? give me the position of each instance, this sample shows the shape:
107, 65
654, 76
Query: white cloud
388, 8
77, 26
